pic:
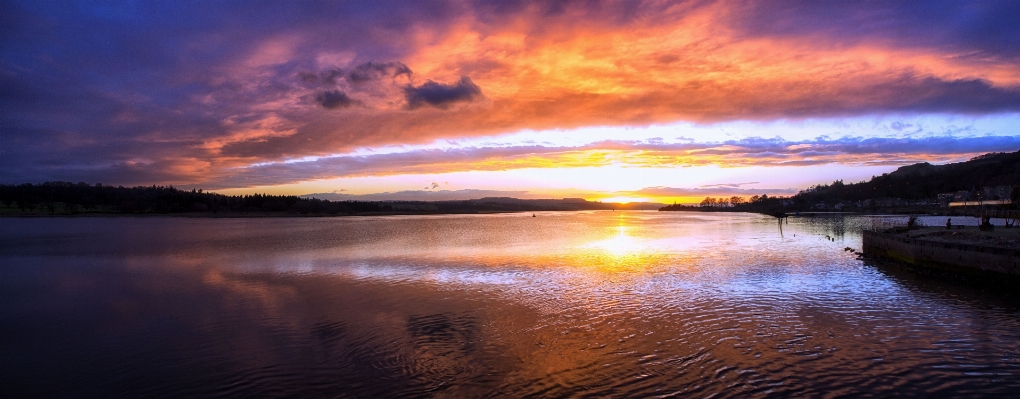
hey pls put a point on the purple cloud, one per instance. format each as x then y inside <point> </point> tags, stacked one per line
<point>194,91</point>
<point>745,152</point>
<point>377,70</point>
<point>441,95</point>
<point>333,99</point>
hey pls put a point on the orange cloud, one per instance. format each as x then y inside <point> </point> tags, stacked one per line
<point>583,68</point>
<point>729,154</point>
<point>267,85</point>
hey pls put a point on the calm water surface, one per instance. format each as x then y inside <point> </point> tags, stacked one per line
<point>620,304</point>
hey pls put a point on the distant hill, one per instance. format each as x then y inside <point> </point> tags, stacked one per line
<point>569,204</point>
<point>924,180</point>
<point>74,198</point>
<point>62,198</point>
<point>912,188</point>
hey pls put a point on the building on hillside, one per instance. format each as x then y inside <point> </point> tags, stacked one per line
<point>962,196</point>
<point>996,192</point>
<point>945,198</point>
<point>889,202</point>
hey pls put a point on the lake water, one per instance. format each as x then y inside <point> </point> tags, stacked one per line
<point>620,304</point>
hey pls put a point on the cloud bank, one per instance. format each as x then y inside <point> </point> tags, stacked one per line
<point>441,95</point>
<point>757,152</point>
<point>195,92</point>
<point>423,195</point>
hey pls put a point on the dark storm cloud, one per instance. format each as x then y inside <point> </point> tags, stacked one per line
<point>334,99</point>
<point>308,77</point>
<point>331,75</point>
<point>441,95</point>
<point>371,71</point>
<point>375,70</point>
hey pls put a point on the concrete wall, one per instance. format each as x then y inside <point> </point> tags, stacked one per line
<point>942,254</point>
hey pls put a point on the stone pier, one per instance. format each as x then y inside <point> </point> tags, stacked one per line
<point>942,255</point>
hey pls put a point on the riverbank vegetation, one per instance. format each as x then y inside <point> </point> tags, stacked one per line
<point>918,188</point>
<point>64,198</point>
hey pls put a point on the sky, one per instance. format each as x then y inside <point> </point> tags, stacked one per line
<point>619,101</point>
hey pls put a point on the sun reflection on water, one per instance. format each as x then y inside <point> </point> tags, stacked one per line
<point>626,250</point>
<point>620,244</point>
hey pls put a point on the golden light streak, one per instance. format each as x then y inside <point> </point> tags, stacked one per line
<point>619,244</point>
<point>623,200</point>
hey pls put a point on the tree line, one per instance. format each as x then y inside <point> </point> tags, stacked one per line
<point>756,203</point>
<point>918,182</point>
<point>924,181</point>
<point>82,197</point>
<point>74,198</point>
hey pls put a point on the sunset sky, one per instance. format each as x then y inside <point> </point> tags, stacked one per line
<point>658,101</point>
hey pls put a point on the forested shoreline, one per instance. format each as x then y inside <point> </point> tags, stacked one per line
<point>65,198</point>
<point>917,188</point>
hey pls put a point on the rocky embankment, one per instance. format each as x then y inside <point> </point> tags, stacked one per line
<point>964,249</point>
<point>1000,237</point>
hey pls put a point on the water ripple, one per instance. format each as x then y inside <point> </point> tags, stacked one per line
<point>617,304</point>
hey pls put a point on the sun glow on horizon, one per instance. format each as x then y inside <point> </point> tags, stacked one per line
<point>623,200</point>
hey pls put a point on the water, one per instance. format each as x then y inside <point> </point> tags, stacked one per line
<point>620,304</point>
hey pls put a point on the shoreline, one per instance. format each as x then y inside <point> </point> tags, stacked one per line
<point>964,250</point>
<point>204,215</point>
<point>398,213</point>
